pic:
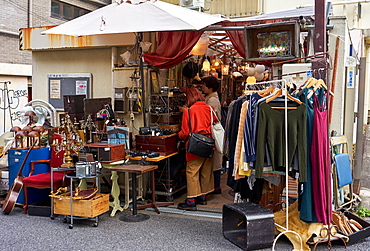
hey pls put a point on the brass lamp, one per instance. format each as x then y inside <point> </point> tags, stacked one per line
<point>71,142</point>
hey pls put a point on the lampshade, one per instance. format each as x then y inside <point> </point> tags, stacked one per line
<point>225,70</point>
<point>206,65</point>
<point>200,48</point>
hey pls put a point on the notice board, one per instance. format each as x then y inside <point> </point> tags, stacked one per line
<point>61,84</point>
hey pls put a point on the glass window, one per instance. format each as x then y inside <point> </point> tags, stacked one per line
<point>77,12</point>
<point>55,8</point>
<point>67,12</point>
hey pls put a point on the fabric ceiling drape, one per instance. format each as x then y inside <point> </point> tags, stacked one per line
<point>173,47</point>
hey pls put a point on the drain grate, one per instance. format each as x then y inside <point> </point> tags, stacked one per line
<point>191,213</point>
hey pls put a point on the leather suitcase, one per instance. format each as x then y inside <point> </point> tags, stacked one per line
<point>165,144</point>
<point>105,152</point>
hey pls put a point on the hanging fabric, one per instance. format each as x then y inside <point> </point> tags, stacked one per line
<point>172,48</point>
<point>320,160</point>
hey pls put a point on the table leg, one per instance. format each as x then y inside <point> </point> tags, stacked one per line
<point>115,192</point>
<point>135,217</point>
<point>153,203</point>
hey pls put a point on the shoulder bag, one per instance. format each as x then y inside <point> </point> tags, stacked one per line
<point>218,133</point>
<point>199,144</point>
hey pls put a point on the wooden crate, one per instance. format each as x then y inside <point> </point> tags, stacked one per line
<point>91,208</point>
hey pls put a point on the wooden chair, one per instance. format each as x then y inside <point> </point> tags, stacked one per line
<point>43,180</point>
<point>342,173</point>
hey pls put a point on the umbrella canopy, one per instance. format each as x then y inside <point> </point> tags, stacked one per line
<point>135,16</point>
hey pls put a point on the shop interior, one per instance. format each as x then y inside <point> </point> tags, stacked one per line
<point>99,160</point>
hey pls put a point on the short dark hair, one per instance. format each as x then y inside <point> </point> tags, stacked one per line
<point>211,82</point>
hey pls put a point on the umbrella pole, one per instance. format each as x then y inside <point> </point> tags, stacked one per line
<point>141,69</point>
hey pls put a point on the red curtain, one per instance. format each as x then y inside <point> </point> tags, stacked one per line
<point>173,47</point>
<point>236,37</point>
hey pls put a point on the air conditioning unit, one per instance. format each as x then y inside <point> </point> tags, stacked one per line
<point>192,3</point>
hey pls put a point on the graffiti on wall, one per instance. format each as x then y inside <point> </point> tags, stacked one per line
<point>12,99</point>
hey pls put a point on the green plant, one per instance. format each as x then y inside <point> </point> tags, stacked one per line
<point>363,212</point>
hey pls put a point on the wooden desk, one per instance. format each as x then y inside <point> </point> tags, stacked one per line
<point>134,170</point>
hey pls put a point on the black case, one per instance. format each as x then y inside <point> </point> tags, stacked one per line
<point>248,225</point>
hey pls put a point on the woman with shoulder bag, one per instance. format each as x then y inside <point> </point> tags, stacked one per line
<point>199,173</point>
<point>210,87</point>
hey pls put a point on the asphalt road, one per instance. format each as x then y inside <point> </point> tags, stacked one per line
<point>165,231</point>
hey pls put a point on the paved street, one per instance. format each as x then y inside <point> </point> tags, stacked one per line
<point>161,232</point>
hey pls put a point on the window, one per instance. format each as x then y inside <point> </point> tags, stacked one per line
<point>66,11</point>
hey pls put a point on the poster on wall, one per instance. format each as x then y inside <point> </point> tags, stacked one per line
<point>54,88</point>
<point>81,87</point>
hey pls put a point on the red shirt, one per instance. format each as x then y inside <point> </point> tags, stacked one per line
<point>200,116</point>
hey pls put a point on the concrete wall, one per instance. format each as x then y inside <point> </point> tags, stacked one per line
<point>98,62</point>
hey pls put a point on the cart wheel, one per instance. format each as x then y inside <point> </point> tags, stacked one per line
<point>70,226</point>
<point>64,220</point>
<point>169,198</point>
<point>95,224</point>
<point>52,217</point>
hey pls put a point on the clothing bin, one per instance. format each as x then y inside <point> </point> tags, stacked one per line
<point>248,225</point>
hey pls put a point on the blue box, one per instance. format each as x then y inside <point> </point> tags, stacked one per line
<point>15,159</point>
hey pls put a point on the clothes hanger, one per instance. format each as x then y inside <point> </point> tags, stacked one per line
<point>290,97</point>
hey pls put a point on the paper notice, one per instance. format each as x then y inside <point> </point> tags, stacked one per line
<point>55,89</point>
<point>81,87</point>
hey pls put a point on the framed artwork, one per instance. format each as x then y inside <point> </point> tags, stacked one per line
<point>154,82</point>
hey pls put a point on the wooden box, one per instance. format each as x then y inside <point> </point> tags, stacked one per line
<point>105,152</point>
<point>165,144</point>
<point>91,208</point>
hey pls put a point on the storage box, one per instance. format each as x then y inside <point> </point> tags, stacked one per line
<point>91,208</point>
<point>105,152</point>
<point>248,225</point>
<point>359,235</point>
<point>165,144</point>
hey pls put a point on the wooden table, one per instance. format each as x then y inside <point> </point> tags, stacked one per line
<point>115,191</point>
<point>134,170</point>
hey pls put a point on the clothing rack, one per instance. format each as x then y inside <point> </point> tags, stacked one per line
<point>285,93</point>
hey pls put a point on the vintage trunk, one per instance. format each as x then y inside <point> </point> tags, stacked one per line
<point>105,152</point>
<point>91,208</point>
<point>248,225</point>
<point>165,144</point>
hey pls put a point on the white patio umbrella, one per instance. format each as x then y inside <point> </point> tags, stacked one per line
<point>139,16</point>
<point>135,16</point>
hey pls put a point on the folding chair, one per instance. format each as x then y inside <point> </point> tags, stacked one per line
<point>342,173</point>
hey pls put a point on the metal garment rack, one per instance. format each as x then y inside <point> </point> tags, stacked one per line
<point>285,93</point>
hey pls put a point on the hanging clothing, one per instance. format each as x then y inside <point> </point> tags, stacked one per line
<point>232,137</point>
<point>271,130</point>
<point>320,159</point>
<point>305,199</point>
